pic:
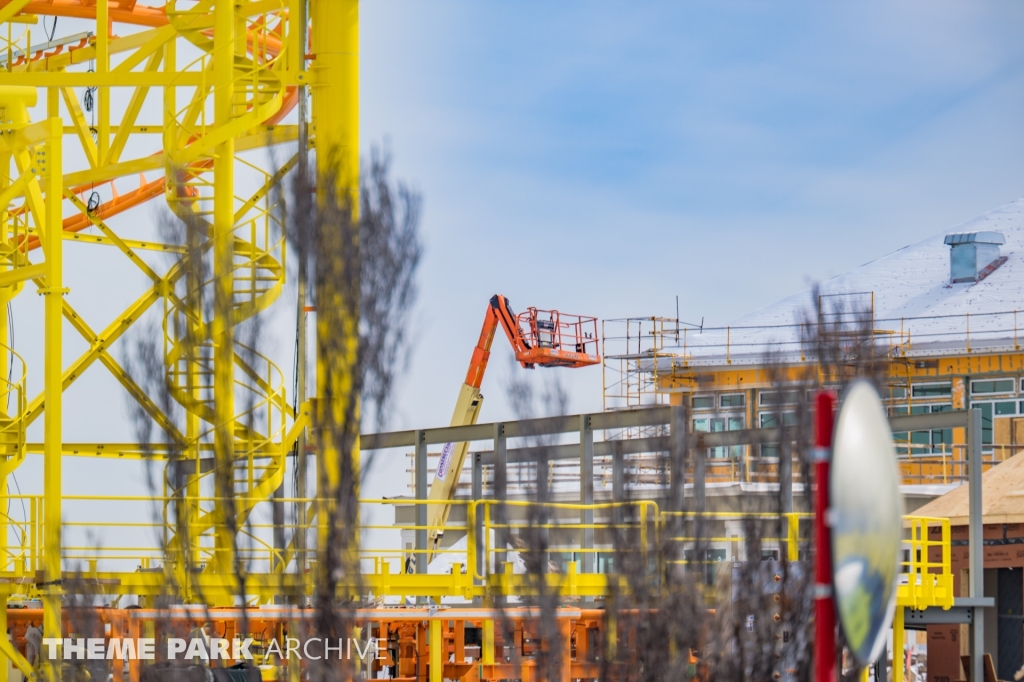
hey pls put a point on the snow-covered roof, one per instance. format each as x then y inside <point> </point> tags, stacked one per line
<point>912,294</point>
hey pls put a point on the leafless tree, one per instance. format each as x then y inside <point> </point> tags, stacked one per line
<point>363,270</point>
<point>362,266</point>
<point>533,541</point>
<point>687,615</point>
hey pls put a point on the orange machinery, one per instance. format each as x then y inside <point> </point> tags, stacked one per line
<point>545,338</point>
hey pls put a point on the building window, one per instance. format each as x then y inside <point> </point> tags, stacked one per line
<point>991,410</point>
<point>731,423</point>
<point>1003,409</point>
<point>897,393</point>
<point>731,400</point>
<point>727,424</point>
<point>986,423</point>
<point>936,390</point>
<point>992,386</point>
<point>717,425</point>
<point>942,440</point>
<point>770,420</point>
<point>703,402</point>
<point>772,398</point>
<point>922,442</point>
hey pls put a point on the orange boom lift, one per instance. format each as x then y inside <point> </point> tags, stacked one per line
<point>545,338</point>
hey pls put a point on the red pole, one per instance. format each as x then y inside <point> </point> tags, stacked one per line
<point>824,607</point>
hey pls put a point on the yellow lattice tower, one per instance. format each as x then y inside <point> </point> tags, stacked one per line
<point>225,73</point>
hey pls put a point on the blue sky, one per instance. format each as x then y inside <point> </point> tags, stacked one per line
<point>604,157</point>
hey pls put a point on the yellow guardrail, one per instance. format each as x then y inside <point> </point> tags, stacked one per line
<point>927,577</point>
<point>472,564</point>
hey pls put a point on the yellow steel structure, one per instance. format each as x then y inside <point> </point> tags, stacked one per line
<point>213,79</point>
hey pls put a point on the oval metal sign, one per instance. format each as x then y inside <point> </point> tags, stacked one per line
<point>867,521</point>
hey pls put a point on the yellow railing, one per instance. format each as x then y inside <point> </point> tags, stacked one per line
<point>471,565</point>
<point>927,578</point>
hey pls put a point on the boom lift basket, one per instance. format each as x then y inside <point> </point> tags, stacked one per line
<point>555,339</point>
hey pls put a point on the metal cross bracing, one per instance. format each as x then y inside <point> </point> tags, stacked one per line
<point>203,81</point>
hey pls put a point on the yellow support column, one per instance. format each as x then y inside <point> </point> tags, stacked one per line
<point>436,651</point>
<point>3,633</point>
<point>487,655</point>
<point>336,122</point>
<point>49,164</point>
<point>336,94</point>
<point>792,538</point>
<point>223,268</point>
<point>102,66</point>
<point>6,294</point>
<point>897,645</point>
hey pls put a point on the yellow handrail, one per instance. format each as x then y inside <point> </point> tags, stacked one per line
<point>927,578</point>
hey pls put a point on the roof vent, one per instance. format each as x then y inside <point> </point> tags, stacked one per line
<point>974,255</point>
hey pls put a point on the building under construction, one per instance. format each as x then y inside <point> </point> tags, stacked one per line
<point>124,105</point>
<point>937,318</point>
<point>941,316</point>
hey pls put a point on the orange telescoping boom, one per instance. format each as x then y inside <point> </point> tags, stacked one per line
<point>539,337</point>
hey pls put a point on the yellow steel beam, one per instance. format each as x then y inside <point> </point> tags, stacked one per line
<point>102,69</point>
<point>136,391</point>
<point>12,277</point>
<point>80,325</point>
<point>220,134</point>
<point>225,49</point>
<point>101,240</point>
<point>296,34</point>
<point>108,336</point>
<point>81,126</point>
<point>16,188</point>
<point>271,182</point>
<point>13,655</point>
<point>27,163</point>
<point>84,55</point>
<point>114,239</point>
<point>11,8</point>
<point>261,137</point>
<point>255,7</point>
<point>156,39</point>
<point>76,79</point>
<point>133,451</point>
<point>143,129</point>
<point>336,120</point>
<point>131,114</point>
<point>436,645</point>
<point>116,170</point>
<point>52,386</point>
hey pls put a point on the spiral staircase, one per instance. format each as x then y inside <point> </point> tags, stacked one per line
<point>264,426</point>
